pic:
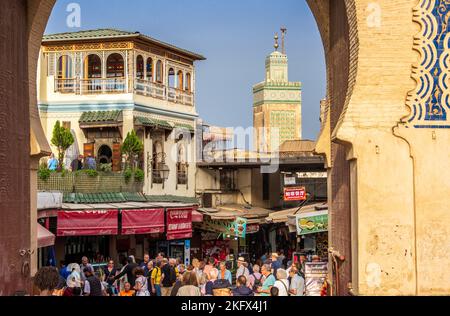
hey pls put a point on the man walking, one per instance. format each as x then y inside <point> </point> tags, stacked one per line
<point>168,278</point>
<point>242,268</point>
<point>144,264</point>
<point>92,285</point>
<point>129,271</point>
<point>85,264</point>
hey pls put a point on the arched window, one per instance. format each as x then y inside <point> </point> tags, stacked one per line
<point>140,67</point>
<point>159,71</point>
<point>149,69</point>
<point>180,76</point>
<point>65,67</point>
<point>92,67</point>
<point>157,162</point>
<point>181,165</point>
<point>115,66</point>
<point>187,85</point>
<point>171,75</point>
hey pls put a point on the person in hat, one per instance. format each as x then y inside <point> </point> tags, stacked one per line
<point>242,268</point>
<point>275,265</point>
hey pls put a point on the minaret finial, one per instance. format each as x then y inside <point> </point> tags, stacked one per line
<point>276,42</point>
<point>283,34</point>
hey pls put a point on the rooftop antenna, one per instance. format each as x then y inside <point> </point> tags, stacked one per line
<point>283,35</point>
<point>276,42</point>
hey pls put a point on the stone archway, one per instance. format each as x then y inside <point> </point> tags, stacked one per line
<point>378,163</point>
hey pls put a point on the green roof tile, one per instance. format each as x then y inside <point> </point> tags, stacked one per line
<point>172,198</point>
<point>102,198</point>
<point>153,122</point>
<point>101,117</point>
<point>99,34</point>
<point>185,126</point>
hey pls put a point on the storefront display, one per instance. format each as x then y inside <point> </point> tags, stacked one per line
<point>215,248</point>
<point>315,276</point>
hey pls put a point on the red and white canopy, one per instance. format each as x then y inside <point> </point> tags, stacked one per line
<point>140,222</point>
<point>44,237</point>
<point>87,223</point>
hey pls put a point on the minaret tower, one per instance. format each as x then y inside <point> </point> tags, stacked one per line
<point>277,114</point>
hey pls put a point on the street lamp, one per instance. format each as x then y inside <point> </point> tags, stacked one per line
<point>165,172</point>
<point>159,159</point>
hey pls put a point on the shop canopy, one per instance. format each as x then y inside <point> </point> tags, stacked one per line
<point>142,221</point>
<point>197,217</point>
<point>254,215</point>
<point>288,216</point>
<point>44,237</point>
<point>87,223</point>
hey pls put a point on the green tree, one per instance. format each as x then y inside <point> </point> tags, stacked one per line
<point>62,138</point>
<point>132,147</point>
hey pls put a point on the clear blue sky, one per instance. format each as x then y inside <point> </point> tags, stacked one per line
<point>234,35</point>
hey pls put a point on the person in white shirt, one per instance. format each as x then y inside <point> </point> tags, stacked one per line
<point>242,268</point>
<point>282,283</point>
<point>297,286</point>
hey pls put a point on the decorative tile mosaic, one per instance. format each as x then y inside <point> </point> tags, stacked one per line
<point>430,101</point>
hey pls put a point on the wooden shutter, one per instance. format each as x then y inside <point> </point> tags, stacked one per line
<point>116,157</point>
<point>88,149</point>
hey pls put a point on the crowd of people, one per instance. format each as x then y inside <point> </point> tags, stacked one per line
<point>79,163</point>
<point>169,277</point>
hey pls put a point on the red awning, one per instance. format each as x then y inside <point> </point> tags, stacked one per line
<point>44,237</point>
<point>87,223</point>
<point>197,217</point>
<point>142,221</point>
<point>179,223</point>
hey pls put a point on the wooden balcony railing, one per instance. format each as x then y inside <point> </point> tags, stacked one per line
<point>102,85</point>
<point>150,89</point>
<point>119,85</point>
<point>66,85</point>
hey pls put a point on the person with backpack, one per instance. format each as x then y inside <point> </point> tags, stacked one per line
<point>156,279</point>
<point>168,278</point>
<point>297,283</point>
<point>242,268</point>
<point>255,279</point>
<point>282,283</point>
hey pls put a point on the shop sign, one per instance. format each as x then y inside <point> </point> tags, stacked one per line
<point>315,276</point>
<point>312,222</point>
<point>289,180</point>
<point>295,194</point>
<point>239,228</point>
<point>179,224</point>
<point>312,175</point>
<point>252,228</point>
<point>236,228</point>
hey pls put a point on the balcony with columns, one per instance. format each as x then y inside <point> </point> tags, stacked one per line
<point>110,74</point>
